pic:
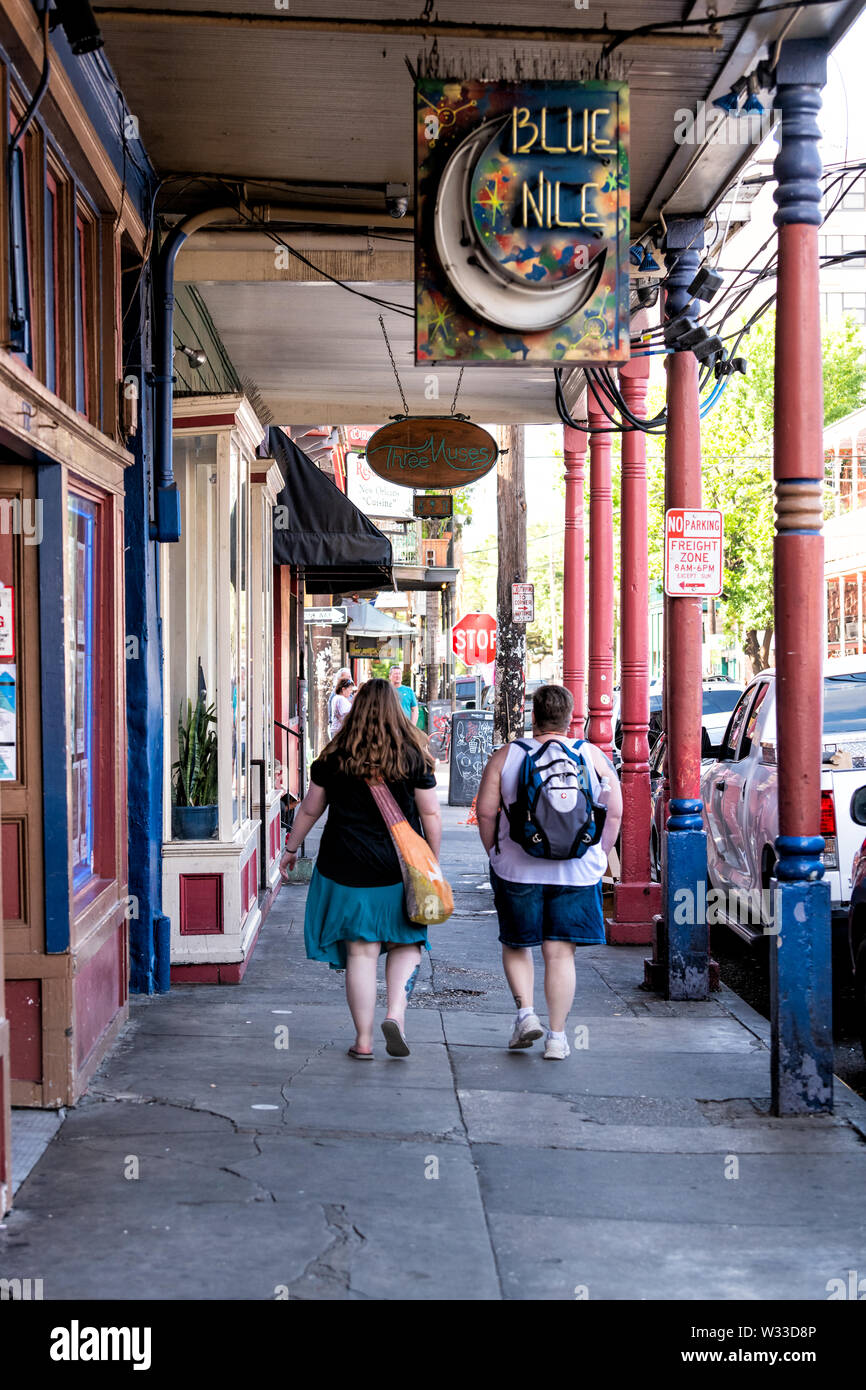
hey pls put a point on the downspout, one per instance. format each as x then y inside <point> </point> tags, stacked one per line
<point>166,509</point>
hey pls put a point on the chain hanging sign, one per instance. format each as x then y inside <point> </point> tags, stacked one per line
<point>432,451</point>
<point>522,222</point>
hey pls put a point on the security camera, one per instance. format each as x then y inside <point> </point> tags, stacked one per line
<point>397,199</point>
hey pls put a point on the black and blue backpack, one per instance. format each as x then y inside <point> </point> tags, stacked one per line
<point>554,815</point>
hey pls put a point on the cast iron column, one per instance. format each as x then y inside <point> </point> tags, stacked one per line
<point>599,727</point>
<point>684,859</point>
<point>574,577</point>
<point>800,956</point>
<point>636,897</point>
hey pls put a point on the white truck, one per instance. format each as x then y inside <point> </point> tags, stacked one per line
<point>739,794</point>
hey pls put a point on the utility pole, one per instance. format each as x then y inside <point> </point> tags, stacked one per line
<point>510,636</point>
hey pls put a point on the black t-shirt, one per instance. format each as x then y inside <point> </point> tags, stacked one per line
<point>356,847</point>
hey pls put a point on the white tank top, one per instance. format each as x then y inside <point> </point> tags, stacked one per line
<point>513,864</point>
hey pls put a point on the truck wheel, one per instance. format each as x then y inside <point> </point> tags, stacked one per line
<point>860,993</point>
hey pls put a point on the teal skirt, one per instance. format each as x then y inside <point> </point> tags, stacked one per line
<point>336,914</point>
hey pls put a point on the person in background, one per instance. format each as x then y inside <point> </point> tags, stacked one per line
<point>405,694</point>
<point>355,905</point>
<point>340,704</point>
<point>339,676</point>
<point>552,903</point>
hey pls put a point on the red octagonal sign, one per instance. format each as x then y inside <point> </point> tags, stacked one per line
<point>473,639</point>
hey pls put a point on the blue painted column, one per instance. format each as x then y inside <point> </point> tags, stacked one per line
<point>148,929</point>
<point>684,856</point>
<point>800,954</point>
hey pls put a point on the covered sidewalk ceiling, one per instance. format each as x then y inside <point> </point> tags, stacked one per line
<point>307,118</point>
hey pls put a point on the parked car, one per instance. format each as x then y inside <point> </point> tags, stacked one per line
<point>466,692</point>
<point>657,768</point>
<point>857,915</point>
<point>739,794</point>
<point>719,697</point>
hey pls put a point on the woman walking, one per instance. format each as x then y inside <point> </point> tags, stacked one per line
<point>355,906</point>
<point>344,693</point>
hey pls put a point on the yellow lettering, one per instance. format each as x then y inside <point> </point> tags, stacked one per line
<point>597,143</point>
<point>549,208</point>
<point>537,208</point>
<point>557,220</point>
<point>519,121</point>
<point>581,148</point>
<point>550,149</point>
<point>588,218</point>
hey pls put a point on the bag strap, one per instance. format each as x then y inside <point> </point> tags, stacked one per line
<point>387,803</point>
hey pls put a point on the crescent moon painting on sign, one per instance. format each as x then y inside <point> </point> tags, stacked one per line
<point>522,222</point>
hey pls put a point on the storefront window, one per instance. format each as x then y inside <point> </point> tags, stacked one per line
<point>861,480</point>
<point>851,623</point>
<point>846,484</point>
<point>191,638</point>
<point>833,633</point>
<point>233,621</point>
<point>243,646</point>
<point>81,573</point>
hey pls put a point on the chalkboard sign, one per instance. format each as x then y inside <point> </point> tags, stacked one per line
<point>471,746</point>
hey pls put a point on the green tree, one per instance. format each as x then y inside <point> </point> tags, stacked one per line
<point>737,451</point>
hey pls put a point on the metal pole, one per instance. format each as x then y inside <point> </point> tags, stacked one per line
<point>800,954</point>
<point>636,898</point>
<point>599,727</point>
<point>684,865</point>
<point>574,577</point>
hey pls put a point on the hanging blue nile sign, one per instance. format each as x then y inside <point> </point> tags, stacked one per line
<point>522,226</point>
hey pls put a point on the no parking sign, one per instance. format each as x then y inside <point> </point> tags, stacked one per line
<point>693,552</point>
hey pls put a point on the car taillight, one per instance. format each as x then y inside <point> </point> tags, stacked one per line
<point>828,814</point>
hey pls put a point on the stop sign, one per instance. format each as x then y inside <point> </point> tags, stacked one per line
<point>473,639</point>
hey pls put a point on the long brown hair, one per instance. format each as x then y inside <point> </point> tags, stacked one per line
<point>376,740</point>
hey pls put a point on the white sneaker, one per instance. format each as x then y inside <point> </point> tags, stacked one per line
<point>526,1030</point>
<point>556,1049</point>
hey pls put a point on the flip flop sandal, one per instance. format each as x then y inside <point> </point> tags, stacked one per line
<point>395,1043</point>
<point>360,1056</point>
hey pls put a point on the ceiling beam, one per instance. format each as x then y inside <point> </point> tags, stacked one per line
<point>433,28</point>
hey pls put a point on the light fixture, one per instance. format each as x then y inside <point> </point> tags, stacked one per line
<point>729,103</point>
<point>79,25</point>
<point>636,253</point>
<point>195,355</point>
<point>397,199</point>
<point>754,106</point>
<point>649,262</point>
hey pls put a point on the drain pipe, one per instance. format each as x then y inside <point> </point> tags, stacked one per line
<point>166,508</point>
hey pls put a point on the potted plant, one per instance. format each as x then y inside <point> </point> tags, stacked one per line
<point>195,810</point>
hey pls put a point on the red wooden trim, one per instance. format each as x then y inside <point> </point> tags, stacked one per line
<point>201,904</point>
<point>83,227</point>
<point>24,1011</point>
<point>201,421</point>
<point>52,184</point>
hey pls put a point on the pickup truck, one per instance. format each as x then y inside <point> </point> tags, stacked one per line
<point>739,794</point>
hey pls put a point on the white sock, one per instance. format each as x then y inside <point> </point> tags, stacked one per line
<point>524,1013</point>
<point>560,1037</point>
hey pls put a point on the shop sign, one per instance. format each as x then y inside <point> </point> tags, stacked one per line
<point>693,552</point>
<point>522,222</point>
<point>523,603</point>
<point>363,648</point>
<point>432,451</point>
<point>434,504</point>
<point>372,493</point>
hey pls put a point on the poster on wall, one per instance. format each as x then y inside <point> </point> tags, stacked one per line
<point>8,724</point>
<point>522,222</point>
<point>7,623</point>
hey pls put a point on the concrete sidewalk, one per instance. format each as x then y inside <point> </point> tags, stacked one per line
<point>206,1162</point>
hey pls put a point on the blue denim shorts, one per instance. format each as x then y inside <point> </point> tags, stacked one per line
<point>530,913</point>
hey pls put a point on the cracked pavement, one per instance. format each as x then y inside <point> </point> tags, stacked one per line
<point>208,1162</point>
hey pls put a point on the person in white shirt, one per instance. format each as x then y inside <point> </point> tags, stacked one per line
<point>554,903</point>
<point>341,704</point>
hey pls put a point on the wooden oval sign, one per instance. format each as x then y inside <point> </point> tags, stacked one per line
<point>432,451</point>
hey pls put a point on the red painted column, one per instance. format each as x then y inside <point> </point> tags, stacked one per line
<point>683,616</point>
<point>801,1055</point>
<point>636,897</point>
<point>599,727</point>
<point>574,577</point>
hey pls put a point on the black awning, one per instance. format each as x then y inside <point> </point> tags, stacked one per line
<point>326,536</point>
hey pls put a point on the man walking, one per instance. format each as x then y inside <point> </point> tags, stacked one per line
<point>565,804</point>
<point>405,694</point>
